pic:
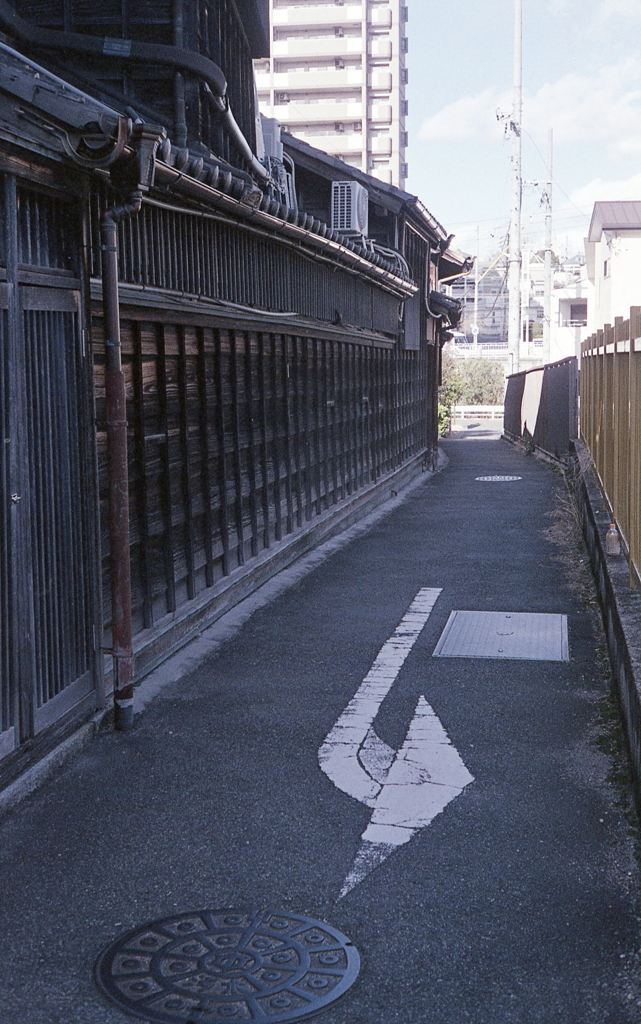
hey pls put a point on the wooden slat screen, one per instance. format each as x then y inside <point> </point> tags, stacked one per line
<point>240,437</point>
<point>611,423</point>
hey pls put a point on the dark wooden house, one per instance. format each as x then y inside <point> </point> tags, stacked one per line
<point>278,376</point>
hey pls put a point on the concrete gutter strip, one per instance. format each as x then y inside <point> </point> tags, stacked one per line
<point>620,605</point>
<point>35,776</point>
<point>527,446</point>
<point>155,645</point>
<point>353,518</point>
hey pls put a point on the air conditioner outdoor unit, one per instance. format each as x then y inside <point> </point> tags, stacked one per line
<point>349,207</point>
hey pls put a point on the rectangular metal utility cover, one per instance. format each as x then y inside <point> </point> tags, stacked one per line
<point>518,635</point>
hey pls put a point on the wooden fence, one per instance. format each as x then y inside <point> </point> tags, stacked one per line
<point>239,438</point>
<point>611,423</point>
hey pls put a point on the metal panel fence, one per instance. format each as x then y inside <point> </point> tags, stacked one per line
<point>541,406</point>
<point>611,423</point>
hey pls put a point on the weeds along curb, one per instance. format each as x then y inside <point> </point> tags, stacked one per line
<point>620,606</point>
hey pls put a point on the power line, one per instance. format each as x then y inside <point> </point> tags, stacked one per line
<point>558,185</point>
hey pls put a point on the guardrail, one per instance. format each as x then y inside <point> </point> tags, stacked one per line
<point>477,412</point>
<point>611,423</point>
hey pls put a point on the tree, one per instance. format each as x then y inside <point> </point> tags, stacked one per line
<point>450,391</point>
<point>556,262</point>
<point>468,382</point>
<point>483,382</point>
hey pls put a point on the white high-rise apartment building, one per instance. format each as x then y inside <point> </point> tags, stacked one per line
<point>337,78</point>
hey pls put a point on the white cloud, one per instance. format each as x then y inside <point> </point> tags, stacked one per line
<point>594,13</point>
<point>472,118</point>
<point>602,107</point>
<point>618,8</point>
<point>601,190</point>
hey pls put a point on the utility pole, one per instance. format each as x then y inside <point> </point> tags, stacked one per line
<point>514,253</point>
<point>524,319</point>
<point>547,293</point>
<point>475,329</point>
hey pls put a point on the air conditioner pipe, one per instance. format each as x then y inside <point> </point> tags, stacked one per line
<point>292,170</point>
<point>232,127</point>
<point>180,115</point>
<point>149,53</point>
<point>125,49</point>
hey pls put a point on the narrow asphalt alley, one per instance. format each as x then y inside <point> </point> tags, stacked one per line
<point>516,903</point>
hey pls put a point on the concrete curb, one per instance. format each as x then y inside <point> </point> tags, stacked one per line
<point>529,448</point>
<point>35,776</point>
<point>349,517</point>
<point>152,647</point>
<point>620,605</point>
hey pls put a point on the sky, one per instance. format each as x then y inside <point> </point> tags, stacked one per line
<point>581,77</point>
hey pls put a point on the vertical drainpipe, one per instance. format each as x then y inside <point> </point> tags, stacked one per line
<point>146,139</point>
<point>180,112</point>
<point>115,395</point>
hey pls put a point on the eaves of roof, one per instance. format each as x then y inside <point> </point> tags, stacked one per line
<point>59,106</point>
<point>390,196</point>
<point>622,215</point>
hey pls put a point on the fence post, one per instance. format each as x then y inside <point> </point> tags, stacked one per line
<point>620,426</point>
<point>634,475</point>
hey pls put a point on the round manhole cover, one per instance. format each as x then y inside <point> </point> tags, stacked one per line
<point>498,479</point>
<point>227,965</point>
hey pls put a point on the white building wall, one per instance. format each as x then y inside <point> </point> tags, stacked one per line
<point>568,313</point>
<point>615,276</point>
<point>337,78</point>
<point>569,323</point>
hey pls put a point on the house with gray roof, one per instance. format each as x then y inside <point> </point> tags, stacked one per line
<point>613,261</point>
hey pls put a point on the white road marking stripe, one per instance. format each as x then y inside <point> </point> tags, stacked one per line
<point>408,788</point>
<point>425,776</point>
<point>338,756</point>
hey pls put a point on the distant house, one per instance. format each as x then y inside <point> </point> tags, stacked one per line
<point>568,319</point>
<point>568,315</point>
<point>613,258</point>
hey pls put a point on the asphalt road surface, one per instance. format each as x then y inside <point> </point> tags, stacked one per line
<point>464,806</point>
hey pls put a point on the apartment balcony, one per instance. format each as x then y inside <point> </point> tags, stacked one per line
<point>381,113</point>
<point>318,113</point>
<point>318,46</point>
<point>380,49</point>
<point>381,80</point>
<point>380,17</point>
<point>348,14</point>
<point>307,81</point>
<point>381,145</point>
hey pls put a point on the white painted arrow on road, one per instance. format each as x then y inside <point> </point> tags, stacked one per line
<point>406,788</point>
